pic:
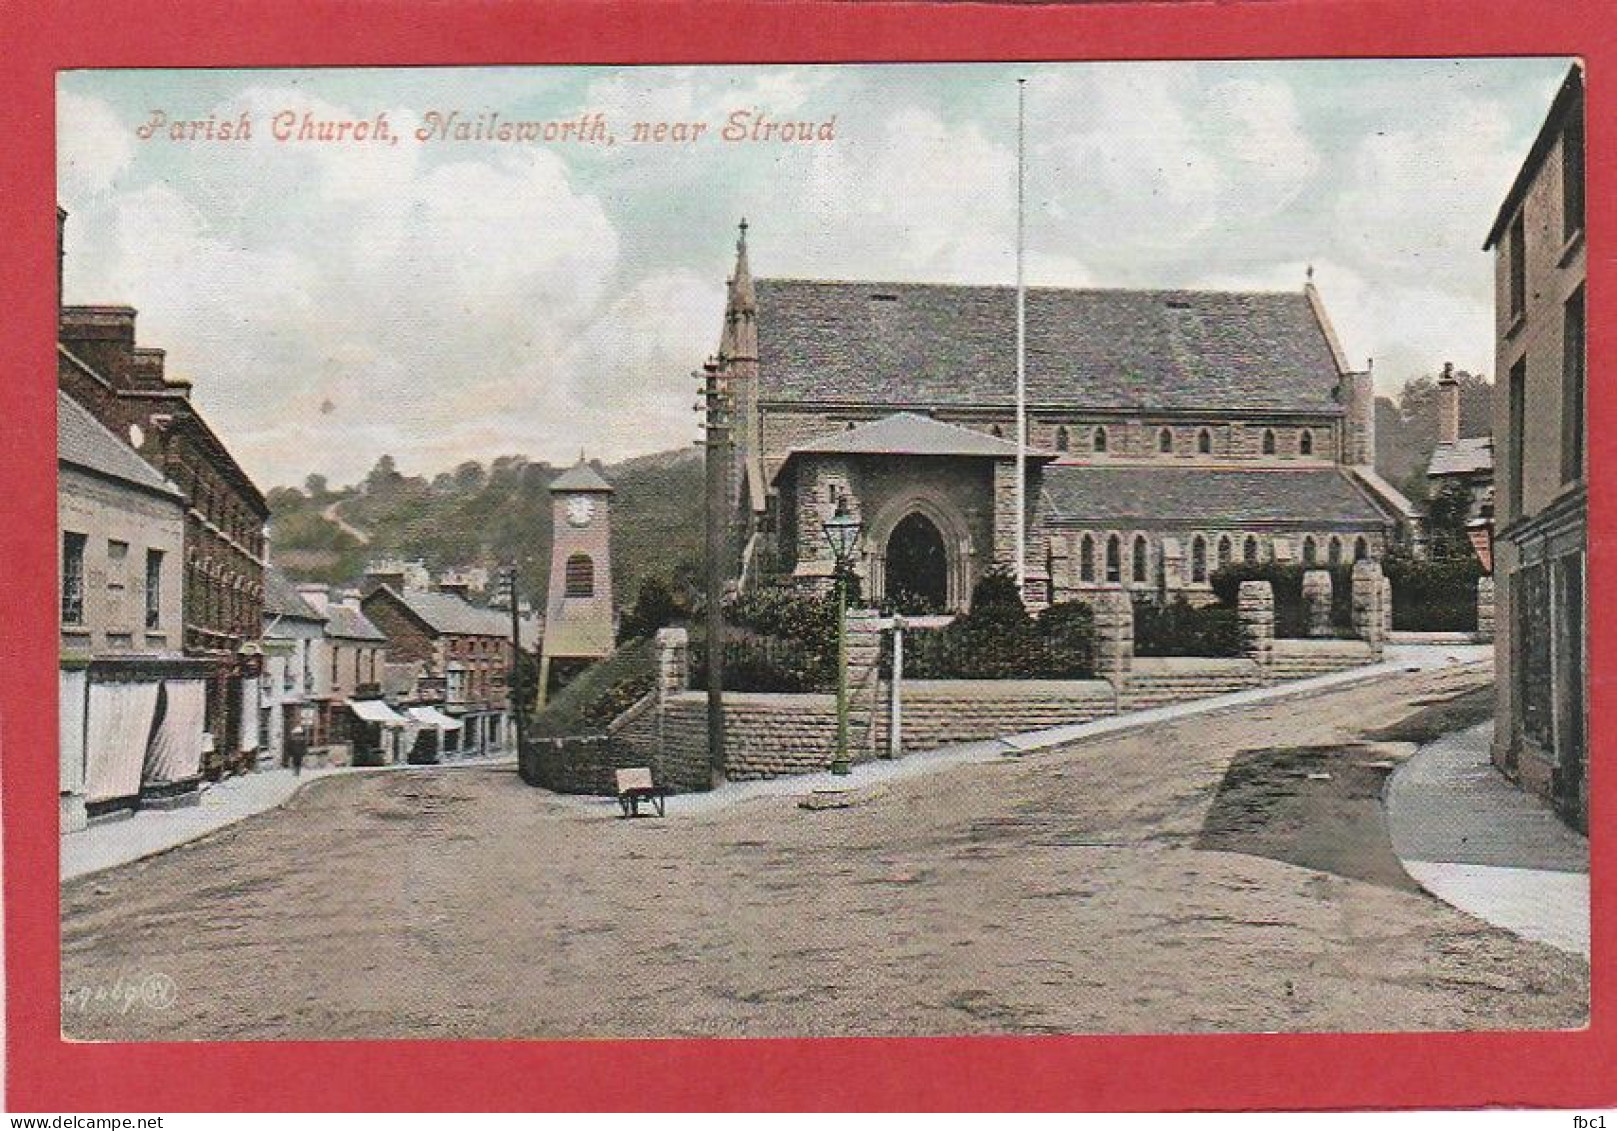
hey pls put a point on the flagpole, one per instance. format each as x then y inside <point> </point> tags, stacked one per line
<point>1021,342</point>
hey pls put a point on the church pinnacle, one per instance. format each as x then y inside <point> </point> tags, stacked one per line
<point>739,341</point>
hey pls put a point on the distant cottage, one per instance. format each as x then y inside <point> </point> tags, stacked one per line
<point>1170,433</point>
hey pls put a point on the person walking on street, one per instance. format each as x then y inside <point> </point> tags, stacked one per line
<point>297,747</point>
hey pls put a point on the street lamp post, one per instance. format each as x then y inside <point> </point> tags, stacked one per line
<point>842,532</point>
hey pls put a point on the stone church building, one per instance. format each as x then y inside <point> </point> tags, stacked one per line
<point>1170,433</point>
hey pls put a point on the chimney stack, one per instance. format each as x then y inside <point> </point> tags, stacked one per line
<point>1360,445</point>
<point>1448,405</point>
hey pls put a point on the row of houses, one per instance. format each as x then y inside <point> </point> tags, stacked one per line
<point>185,656</point>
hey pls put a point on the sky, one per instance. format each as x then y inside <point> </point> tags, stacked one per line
<point>442,301</point>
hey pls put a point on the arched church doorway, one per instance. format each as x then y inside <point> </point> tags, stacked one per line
<point>917,567</point>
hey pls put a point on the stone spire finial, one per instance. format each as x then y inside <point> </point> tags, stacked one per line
<point>739,340</point>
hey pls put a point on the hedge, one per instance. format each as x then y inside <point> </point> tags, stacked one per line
<point>1433,595</point>
<point>1179,628</point>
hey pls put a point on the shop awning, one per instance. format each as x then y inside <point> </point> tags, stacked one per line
<point>432,717</point>
<point>376,711</point>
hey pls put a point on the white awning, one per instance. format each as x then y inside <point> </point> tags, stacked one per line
<point>376,711</point>
<point>432,717</point>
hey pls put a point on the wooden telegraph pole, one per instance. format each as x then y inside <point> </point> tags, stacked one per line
<point>515,690</point>
<point>717,467</point>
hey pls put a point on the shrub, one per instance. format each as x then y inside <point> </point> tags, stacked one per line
<point>654,607</point>
<point>998,639</point>
<point>1179,628</point>
<point>1069,629</point>
<point>1433,595</point>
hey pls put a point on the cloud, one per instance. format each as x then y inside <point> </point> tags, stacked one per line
<point>93,148</point>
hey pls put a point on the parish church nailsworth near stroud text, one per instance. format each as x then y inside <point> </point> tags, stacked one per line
<point>1170,433</point>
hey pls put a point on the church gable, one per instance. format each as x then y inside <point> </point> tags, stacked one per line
<point>953,346</point>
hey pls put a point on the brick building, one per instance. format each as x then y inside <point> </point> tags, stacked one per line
<point>463,652</point>
<point>1540,498</point>
<point>124,386</point>
<point>1170,432</point>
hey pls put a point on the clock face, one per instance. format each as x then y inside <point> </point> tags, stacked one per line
<point>580,509</point>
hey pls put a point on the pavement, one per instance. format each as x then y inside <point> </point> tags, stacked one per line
<point>1477,842</point>
<point>122,840</point>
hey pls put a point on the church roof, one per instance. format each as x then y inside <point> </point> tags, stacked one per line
<point>580,477</point>
<point>911,434</point>
<point>935,344</point>
<point>1468,455</point>
<point>1211,497</point>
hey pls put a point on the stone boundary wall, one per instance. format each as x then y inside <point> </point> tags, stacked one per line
<point>936,713</point>
<point>774,735</point>
<point>1158,681</point>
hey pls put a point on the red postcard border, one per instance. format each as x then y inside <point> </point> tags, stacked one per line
<point>1348,1071</point>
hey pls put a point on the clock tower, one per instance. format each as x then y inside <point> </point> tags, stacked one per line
<point>578,609</point>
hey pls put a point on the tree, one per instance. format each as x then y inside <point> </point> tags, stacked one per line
<point>654,607</point>
<point>383,475</point>
<point>316,487</point>
<point>1446,517</point>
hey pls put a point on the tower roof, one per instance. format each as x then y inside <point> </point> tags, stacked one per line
<point>580,477</point>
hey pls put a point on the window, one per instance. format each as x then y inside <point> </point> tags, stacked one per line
<point>1198,559</point>
<point>1310,551</point>
<point>154,589</point>
<point>335,655</point>
<point>1305,444</point>
<point>997,431</point>
<point>1063,440</point>
<point>1225,551</point>
<point>1204,442</point>
<point>117,565</point>
<point>1517,435</point>
<point>72,578</point>
<point>1572,175</point>
<point>580,576</point>
<point>1100,440</point>
<point>1141,567</point>
<point>1086,560</point>
<point>1268,441</point>
<point>1165,440</point>
<point>1114,558</point>
<point>1572,389</point>
<point>1249,551</point>
<point>1334,554</point>
<point>1361,549</point>
<point>1518,265</point>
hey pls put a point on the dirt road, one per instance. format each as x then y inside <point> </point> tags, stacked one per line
<point>1225,873</point>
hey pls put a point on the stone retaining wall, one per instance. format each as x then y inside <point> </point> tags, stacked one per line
<point>1159,681</point>
<point>936,713</point>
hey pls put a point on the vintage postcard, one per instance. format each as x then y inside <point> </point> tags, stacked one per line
<point>551,553</point>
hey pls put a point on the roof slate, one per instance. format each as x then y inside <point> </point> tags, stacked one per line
<point>911,434</point>
<point>83,441</point>
<point>1148,496</point>
<point>933,344</point>
<point>454,615</point>
<point>580,477</point>
<point>282,599</point>
<point>1466,456</point>
<point>351,624</point>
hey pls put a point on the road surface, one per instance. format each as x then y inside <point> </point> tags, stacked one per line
<point>1222,873</point>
